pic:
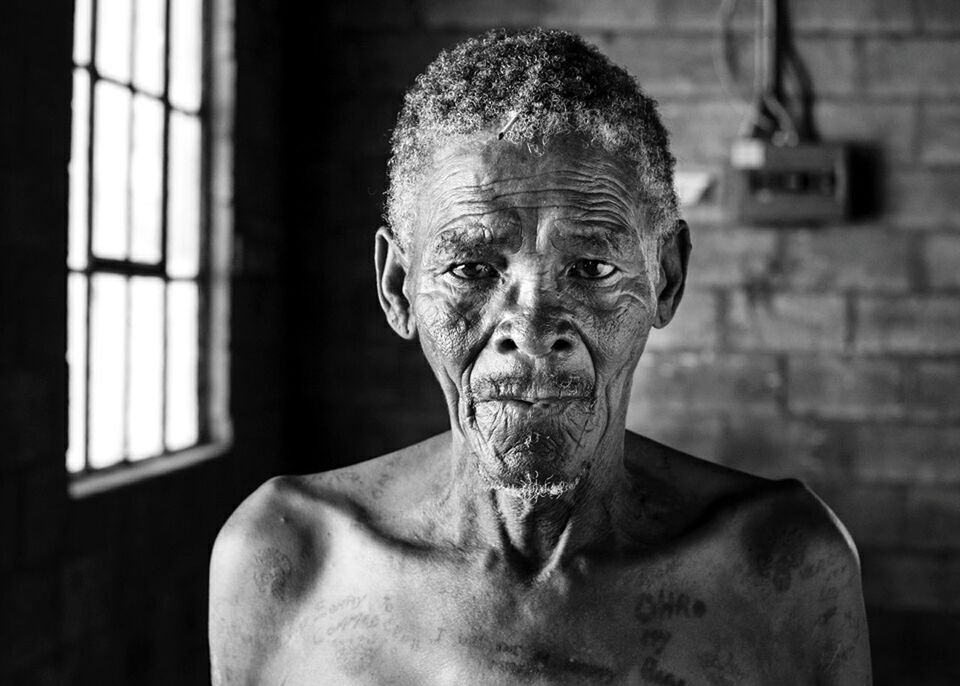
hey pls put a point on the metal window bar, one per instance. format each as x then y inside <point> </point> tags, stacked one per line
<point>127,267</point>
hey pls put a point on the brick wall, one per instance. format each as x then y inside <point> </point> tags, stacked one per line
<point>111,589</point>
<point>828,353</point>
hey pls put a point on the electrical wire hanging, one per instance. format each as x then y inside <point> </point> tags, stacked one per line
<point>766,113</point>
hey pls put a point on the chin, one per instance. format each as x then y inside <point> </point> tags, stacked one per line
<point>531,491</point>
<point>533,449</point>
<point>532,466</point>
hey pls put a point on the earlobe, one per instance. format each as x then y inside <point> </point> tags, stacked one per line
<point>674,258</point>
<point>392,268</point>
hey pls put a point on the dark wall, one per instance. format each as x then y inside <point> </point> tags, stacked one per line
<point>111,588</point>
<point>827,353</point>
<point>354,375</point>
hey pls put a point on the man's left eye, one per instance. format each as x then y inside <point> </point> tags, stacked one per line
<point>590,269</point>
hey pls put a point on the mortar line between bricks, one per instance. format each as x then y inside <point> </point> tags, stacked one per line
<point>783,394</point>
<point>920,127</point>
<point>916,265</point>
<point>721,304</point>
<point>851,321</point>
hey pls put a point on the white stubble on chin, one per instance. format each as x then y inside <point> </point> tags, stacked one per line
<point>520,459</point>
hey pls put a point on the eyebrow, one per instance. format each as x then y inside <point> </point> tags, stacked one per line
<point>598,235</point>
<point>473,235</point>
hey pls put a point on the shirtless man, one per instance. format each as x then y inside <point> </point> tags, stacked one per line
<point>534,241</point>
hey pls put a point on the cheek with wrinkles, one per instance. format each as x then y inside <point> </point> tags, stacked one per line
<point>451,322</point>
<point>615,321</point>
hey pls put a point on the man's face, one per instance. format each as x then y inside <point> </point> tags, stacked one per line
<point>533,283</point>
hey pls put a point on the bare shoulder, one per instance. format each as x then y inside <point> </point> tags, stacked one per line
<point>264,560</point>
<point>802,563</point>
<point>784,549</point>
<point>384,487</point>
<point>693,492</point>
<point>788,534</point>
<point>770,515</point>
<point>270,554</point>
<point>783,530</point>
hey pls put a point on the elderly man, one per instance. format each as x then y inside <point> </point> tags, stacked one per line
<point>533,243</point>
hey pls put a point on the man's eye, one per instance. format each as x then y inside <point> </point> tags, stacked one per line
<point>473,270</point>
<point>591,269</point>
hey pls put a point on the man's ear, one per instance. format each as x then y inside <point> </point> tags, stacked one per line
<point>391,275</point>
<point>674,257</point>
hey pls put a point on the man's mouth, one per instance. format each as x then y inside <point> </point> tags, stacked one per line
<point>556,390</point>
<point>533,401</point>
<point>542,403</point>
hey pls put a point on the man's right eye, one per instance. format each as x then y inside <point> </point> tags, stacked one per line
<point>471,271</point>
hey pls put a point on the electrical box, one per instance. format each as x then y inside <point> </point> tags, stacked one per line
<point>788,184</point>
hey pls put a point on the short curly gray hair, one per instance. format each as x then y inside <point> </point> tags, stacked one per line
<point>531,86</point>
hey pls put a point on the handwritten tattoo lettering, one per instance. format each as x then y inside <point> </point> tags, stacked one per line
<point>319,625</point>
<point>720,670</point>
<point>667,605</point>
<point>655,640</point>
<point>354,622</point>
<point>348,603</point>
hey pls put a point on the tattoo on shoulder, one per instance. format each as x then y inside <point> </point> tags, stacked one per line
<point>777,553</point>
<point>272,572</point>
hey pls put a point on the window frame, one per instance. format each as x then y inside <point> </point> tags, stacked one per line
<point>215,115</point>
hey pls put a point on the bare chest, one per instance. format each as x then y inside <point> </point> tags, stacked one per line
<point>389,620</point>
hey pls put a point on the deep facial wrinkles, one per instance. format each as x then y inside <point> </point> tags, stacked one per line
<point>532,419</point>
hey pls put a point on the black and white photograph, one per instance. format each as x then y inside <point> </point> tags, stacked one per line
<point>480,343</point>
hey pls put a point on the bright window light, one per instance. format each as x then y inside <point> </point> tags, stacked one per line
<point>138,239</point>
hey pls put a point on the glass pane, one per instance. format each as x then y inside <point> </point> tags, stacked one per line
<point>148,46</point>
<point>82,22</point>
<point>186,62</point>
<point>182,360</point>
<point>183,229</point>
<point>77,240</point>
<point>145,410</point>
<point>146,179</point>
<point>113,38</point>
<point>76,362</point>
<point>111,132</point>
<point>107,369</point>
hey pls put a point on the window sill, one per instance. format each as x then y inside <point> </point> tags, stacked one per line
<point>95,484</point>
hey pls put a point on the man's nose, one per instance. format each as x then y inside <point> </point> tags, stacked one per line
<point>535,325</point>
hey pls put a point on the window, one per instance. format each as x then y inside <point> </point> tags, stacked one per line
<point>145,301</point>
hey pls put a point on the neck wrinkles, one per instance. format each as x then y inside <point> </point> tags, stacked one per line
<point>539,536</point>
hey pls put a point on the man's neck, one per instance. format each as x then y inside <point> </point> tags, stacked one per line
<point>536,534</point>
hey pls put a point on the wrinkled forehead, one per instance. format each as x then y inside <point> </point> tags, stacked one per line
<point>489,183</point>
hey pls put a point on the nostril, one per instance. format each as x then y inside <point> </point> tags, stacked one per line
<point>562,345</point>
<point>506,345</point>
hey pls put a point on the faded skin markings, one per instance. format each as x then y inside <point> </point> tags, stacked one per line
<point>272,572</point>
<point>655,640</point>
<point>654,609</point>
<point>652,673</point>
<point>667,604</point>
<point>720,668</point>
<point>779,553</point>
